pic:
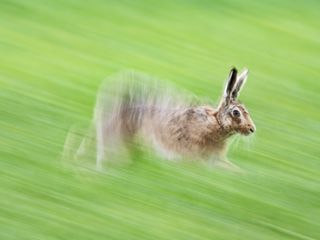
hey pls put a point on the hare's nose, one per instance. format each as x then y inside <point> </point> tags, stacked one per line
<point>252,128</point>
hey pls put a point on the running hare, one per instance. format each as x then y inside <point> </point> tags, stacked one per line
<point>173,126</point>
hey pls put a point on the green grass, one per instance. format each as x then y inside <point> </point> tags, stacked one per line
<point>55,54</point>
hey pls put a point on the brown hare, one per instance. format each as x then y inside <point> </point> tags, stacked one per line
<point>175,127</point>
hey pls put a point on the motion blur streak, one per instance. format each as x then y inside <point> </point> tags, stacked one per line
<point>54,55</point>
<point>129,105</point>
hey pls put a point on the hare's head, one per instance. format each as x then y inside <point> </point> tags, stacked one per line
<point>233,115</point>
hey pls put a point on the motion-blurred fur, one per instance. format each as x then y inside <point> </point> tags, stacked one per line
<point>174,125</point>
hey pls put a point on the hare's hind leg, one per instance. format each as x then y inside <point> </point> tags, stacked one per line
<point>69,153</point>
<point>100,146</point>
<point>100,131</point>
<point>110,141</point>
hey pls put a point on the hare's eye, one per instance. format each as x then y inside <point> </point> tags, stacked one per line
<point>236,113</point>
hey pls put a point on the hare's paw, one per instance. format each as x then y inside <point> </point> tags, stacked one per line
<point>227,165</point>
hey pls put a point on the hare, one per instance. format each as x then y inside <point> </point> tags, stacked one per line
<point>175,128</point>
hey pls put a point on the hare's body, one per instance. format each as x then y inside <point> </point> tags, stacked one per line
<point>187,132</point>
<point>173,125</point>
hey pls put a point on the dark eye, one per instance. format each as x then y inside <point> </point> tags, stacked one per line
<point>236,113</point>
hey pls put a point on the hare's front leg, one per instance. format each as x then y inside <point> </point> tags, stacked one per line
<point>221,161</point>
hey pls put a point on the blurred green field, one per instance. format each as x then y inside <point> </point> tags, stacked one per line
<point>54,56</point>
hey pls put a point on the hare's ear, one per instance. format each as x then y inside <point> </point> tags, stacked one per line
<point>241,80</point>
<point>230,84</point>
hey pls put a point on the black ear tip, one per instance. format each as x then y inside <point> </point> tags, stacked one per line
<point>233,69</point>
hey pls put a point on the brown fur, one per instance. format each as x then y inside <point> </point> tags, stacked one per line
<point>175,127</point>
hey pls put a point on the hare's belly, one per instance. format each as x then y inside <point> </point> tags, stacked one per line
<point>154,140</point>
<point>172,147</point>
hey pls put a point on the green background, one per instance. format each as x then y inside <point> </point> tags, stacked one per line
<point>55,54</point>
